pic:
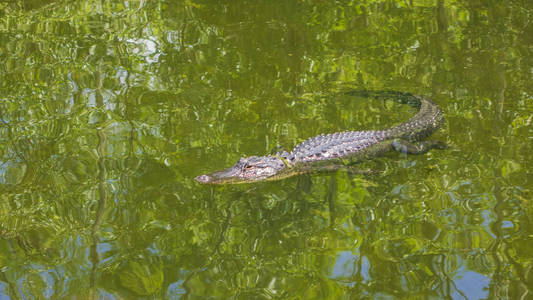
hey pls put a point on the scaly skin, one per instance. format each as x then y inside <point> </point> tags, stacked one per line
<point>326,152</point>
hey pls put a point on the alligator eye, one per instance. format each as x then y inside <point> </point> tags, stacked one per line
<point>248,166</point>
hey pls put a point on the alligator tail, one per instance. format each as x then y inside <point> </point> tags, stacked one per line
<point>426,121</point>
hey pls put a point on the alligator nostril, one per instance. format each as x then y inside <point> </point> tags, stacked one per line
<point>203,178</point>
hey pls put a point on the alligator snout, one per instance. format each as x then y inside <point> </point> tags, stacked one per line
<point>203,178</point>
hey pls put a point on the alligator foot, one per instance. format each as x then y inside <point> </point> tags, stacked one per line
<point>404,146</point>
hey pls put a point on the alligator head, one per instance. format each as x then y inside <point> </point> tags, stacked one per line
<point>247,169</point>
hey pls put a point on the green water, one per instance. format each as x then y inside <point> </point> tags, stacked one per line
<point>109,109</point>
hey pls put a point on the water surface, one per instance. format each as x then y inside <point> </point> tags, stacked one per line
<point>109,109</point>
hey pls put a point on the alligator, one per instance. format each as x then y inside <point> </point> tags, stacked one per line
<point>331,152</point>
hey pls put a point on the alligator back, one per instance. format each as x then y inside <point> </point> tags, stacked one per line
<point>364,144</point>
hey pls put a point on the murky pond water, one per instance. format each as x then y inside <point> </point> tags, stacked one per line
<point>109,109</point>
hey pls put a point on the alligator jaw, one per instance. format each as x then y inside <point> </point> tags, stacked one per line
<point>248,169</point>
<point>229,175</point>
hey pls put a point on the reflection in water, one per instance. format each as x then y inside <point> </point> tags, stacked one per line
<point>102,194</point>
<point>109,109</point>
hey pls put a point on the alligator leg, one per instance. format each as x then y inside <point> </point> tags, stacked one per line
<point>404,146</point>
